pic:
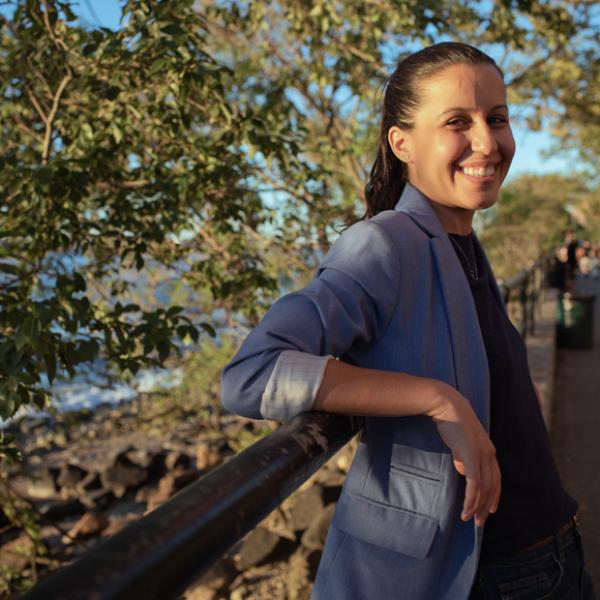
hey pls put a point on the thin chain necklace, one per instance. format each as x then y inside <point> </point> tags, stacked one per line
<point>471,270</point>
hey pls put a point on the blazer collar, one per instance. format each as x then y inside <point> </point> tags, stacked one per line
<point>418,207</point>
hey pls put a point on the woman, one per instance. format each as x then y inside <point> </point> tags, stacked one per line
<point>407,303</point>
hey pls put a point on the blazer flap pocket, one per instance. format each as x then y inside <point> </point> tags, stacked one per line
<point>385,526</point>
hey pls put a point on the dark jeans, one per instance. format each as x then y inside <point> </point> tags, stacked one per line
<point>554,572</point>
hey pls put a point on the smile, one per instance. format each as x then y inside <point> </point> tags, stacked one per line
<point>479,171</point>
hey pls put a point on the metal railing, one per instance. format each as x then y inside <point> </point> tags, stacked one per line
<point>162,553</point>
<point>524,291</point>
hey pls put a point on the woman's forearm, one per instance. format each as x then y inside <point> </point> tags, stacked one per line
<point>346,389</point>
<point>350,390</point>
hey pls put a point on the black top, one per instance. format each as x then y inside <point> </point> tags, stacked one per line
<point>533,503</point>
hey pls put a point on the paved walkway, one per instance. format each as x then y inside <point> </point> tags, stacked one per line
<point>576,432</point>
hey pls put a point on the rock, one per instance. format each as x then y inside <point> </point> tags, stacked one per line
<point>176,460</point>
<point>29,424</point>
<point>122,475</point>
<point>258,547</point>
<point>117,523</point>
<point>96,499</point>
<point>298,584</point>
<point>314,537</point>
<point>70,475</point>
<point>200,592</point>
<point>153,462</point>
<point>278,524</point>
<point>16,554</point>
<point>216,579</point>
<point>60,439</point>
<point>206,457</point>
<point>308,503</point>
<point>42,485</point>
<point>63,508</point>
<point>169,484</point>
<point>90,524</point>
<point>90,482</point>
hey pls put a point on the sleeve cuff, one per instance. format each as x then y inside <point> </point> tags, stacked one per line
<point>293,385</point>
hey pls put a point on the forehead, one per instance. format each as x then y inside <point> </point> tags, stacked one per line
<point>473,87</point>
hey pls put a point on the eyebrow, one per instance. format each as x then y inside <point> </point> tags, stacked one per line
<point>462,109</point>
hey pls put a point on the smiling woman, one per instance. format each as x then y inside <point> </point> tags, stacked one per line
<point>453,493</point>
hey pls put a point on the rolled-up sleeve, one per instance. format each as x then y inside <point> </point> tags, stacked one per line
<point>277,372</point>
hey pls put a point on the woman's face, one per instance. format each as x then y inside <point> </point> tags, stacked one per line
<point>461,145</point>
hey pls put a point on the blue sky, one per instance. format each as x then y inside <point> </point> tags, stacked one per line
<point>530,145</point>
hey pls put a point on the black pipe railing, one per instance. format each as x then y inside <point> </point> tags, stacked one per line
<point>161,554</point>
<point>526,288</point>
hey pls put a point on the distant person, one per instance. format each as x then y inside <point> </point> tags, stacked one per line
<point>558,272</point>
<point>572,245</point>
<point>453,493</point>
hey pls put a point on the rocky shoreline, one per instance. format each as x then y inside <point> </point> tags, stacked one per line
<point>88,474</point>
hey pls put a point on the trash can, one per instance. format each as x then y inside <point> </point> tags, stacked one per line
<point>575,321</point>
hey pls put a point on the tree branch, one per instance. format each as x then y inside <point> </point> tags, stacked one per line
<point>52,115</point>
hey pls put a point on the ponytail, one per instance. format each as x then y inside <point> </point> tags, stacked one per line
<point>386,181</point>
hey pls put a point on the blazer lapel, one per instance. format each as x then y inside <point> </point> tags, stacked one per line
<point>470,360</point>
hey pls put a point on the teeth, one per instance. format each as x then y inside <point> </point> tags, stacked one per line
<point>479,171</point>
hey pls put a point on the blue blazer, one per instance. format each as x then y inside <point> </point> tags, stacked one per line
<point>390,294</point>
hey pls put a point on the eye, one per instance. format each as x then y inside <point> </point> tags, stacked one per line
<point>498,120</point>
<point>458,122</point>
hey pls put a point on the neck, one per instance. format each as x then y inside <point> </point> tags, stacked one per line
<point>454,220</point>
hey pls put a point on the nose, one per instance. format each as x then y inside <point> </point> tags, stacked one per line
<point>483,139</point>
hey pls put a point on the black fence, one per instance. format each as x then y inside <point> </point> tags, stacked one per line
<point>160,555</point>
<point>523,292</point>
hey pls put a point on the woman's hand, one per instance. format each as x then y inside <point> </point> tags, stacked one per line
<point>473,453</point>
<point>346,389</point>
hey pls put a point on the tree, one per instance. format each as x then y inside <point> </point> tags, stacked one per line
<point>214,150</point>
<point>121,150</point>
<point>531,218</point>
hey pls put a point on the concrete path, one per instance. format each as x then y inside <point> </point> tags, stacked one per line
<point>576,432</point>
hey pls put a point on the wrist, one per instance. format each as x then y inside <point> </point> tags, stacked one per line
<point>441,396</point>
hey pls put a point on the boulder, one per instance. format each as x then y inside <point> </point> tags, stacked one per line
<point>307,504</point>
<point>169,484</point>
<point>96,499</point>
<point>42,484</point>
<point>62,508</point>
<point>16,554</point>
<point>176,459</point>
<point>122,475</point>
<point>314,537</point>
<point>152,461</point>
<point>259,546</point>
<point>207,457</point>
<point>70,476</point>
<point>91,524</point>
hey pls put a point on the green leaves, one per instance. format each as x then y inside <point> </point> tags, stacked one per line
<point>203,156</point>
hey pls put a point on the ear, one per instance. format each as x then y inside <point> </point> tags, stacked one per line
<point>399,141</point>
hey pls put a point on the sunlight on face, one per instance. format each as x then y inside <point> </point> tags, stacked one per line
<point>460,148</point>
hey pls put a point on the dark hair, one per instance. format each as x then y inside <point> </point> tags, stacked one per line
<point>400,101</point>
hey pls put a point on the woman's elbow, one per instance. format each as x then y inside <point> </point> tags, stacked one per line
<point>237,397</point>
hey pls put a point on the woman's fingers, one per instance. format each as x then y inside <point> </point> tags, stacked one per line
<point>472,494</point>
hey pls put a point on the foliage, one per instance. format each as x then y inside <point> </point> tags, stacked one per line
<point>531,218</point>
<point>31,549</point>
<point>201,374</point>
<point>211,151</point>
<point>119,149</point>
